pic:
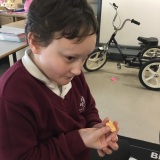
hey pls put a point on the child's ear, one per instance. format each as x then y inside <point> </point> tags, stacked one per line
<point>32,44</point>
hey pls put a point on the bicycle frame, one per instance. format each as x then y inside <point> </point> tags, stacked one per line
<point>129,60</point>
<point>147,59</point>
<point>149,49</point>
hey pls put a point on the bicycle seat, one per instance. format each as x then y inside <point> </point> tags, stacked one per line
<point>148,41</point>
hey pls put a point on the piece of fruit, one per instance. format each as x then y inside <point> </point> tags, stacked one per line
<point>111,125</point>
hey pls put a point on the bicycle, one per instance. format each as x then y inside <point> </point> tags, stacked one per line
<point>149,53</point>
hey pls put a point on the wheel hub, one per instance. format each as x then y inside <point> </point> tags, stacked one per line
<point>156,75</point>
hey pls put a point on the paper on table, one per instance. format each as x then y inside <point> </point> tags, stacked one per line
<point>9,33</point>
<point>1,37</point>
<point>11,30</point>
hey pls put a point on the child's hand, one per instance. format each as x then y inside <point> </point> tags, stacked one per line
<point>96,137</point>
<point>112,145</point>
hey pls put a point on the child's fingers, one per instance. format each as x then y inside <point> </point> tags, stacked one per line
<point>101,153</point>
<point>106,150</point>
<point>105,121</point>
<point>115,139</point>
<point>116,125</point>
<point>109,137</point>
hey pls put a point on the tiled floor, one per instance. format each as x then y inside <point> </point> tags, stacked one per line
<point>120,96</point>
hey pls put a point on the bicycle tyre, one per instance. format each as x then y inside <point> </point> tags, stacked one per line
<point>95,61</point>
<point>149,74</point>
<point>152,52</point>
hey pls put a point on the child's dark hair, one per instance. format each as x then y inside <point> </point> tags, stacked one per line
<point>53,19</point>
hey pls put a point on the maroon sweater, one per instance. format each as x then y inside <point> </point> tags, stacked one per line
<point>36,124</point>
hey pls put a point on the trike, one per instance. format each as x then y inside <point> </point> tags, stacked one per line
<point>147,59</point>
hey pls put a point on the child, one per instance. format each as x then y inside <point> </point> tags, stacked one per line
<point>46,109</point>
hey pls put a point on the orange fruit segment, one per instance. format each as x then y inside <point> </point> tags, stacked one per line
<point>111,125</point>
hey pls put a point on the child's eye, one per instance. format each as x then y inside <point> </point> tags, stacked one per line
<point>70,58</point>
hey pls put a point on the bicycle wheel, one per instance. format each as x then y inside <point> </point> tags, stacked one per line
<point>95,60</point>
<point>152,52</point>
<point>149,74</point>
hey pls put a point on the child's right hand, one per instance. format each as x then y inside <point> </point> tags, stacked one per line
<point>112,145</point>
<point>96,137</point>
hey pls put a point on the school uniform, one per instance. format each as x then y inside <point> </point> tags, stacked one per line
<point>39,121</point>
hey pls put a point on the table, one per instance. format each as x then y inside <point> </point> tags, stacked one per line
<point>9,17</point>
<point>10,48</point>
<point>18,24</point>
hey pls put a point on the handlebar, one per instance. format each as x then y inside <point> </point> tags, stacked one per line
<point>135,22</point>
<point>116,14</point>
<point>114,5</point>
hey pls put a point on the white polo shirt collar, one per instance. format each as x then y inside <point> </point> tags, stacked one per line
<point>35,72</point>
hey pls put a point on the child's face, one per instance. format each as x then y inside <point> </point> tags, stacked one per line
<point>63,59</point>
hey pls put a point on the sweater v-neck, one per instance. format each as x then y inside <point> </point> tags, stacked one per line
<point>35,72</point>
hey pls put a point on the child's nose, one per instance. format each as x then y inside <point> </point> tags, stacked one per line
<point>76,70</point>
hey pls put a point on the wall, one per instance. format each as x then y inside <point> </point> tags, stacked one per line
<point>94,5</point>
<point>145,11</point>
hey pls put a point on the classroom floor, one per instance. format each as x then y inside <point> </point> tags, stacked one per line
<point>120,96</point>
<point>124,99</point>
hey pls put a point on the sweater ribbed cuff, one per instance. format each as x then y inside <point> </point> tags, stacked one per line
<point>75,143</point>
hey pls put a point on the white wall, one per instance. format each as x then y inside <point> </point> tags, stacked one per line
<point>145,11</point>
